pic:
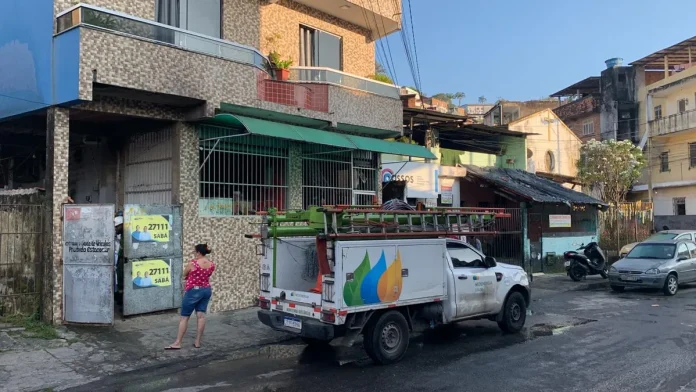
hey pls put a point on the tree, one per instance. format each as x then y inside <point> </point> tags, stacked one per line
<point>380,74</point>
<point>611,167</point>
<point>447,97</point>
<point>379,68</point>
<point>482,99</point>
<point>459,96</point>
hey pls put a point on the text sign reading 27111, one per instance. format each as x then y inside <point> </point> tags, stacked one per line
<point>151,228</point>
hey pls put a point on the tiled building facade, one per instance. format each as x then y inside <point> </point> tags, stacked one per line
<point>110,83</point>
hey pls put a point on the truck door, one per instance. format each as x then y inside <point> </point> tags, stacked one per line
<point>474,283</point>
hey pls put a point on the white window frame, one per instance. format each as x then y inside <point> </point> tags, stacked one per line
<point>588,128</point>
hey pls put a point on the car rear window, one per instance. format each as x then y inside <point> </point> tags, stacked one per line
<point>652,251</point>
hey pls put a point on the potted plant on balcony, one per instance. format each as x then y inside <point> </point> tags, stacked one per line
<point>281,68</point>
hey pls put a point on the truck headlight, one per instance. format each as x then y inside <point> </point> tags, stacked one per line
<point>652,271</point>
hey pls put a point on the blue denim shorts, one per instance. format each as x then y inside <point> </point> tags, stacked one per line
<point>196,299</point>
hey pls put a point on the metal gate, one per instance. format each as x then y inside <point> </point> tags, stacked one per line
<point>21,255</point>
<point>506,245</point>
<point>88,264</point>
<point>536,232</point>
<point>148,174</point>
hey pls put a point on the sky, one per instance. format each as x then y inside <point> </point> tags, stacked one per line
<point>520,50</point>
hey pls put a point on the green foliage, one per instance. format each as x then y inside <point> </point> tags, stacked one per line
<point>610,167</point>
<point>273,55</point>
<point>380,77</point>
<point>482,99</point>
<point>33,326</point>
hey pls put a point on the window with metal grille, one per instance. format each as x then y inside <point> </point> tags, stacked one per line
<point>588,129</point>
<point>658,112</point>
<point>664,161</point>
<point>331,177</point>
<point>240,174</point>
<point>679,205</point>
<point>692,154</point>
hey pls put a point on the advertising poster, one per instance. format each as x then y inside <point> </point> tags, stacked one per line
<point>421,179</point>
<point>150,228</point>
<point>151,273</point>
<point>446,195</point>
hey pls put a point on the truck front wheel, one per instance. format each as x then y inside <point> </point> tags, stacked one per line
<point>386,340</point>
<point>514,313</point>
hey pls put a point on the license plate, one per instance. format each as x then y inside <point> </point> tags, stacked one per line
<point>292,322</point>
<point>567,264</point>
<point>629,278</point>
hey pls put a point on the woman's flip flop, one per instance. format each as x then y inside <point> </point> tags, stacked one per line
<point>172,348</point>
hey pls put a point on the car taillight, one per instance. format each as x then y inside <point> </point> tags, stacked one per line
<point>327,291</point>
<point>328,317</point>
<point>265,282</point>
<point>264,303</point>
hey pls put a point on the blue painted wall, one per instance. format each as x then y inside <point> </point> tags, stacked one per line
<point>562,244</point>
<point>29,61</point>
<point>26,37</point>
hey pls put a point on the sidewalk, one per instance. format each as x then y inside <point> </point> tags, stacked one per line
<point>85,354</point>
<point>562,282</point>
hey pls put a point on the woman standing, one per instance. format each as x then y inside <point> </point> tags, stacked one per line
<point>197,295</point>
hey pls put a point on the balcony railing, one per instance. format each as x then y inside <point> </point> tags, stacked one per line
<point>674,123</point>
<point>117,22</point>
<point>332,76</point>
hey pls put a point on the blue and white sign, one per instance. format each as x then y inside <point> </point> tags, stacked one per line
<point>421,179</point>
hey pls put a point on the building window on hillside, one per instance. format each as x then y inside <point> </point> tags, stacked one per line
<point>679,205</point>
<point>658,112</point>
<point>550,161</point>
<point>319,49</point>
<point>692,155</point>
<point>200,16</point>
<point>683,104</point>
<point>664,162</point>
<point>241,175</point>
<point>588,129</point>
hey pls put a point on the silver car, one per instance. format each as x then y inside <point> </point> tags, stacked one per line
<point>660,236</point>
<point>656,264</point>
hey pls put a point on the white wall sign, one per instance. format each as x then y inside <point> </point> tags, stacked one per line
<point>422,181</point>
<point>559,221</point>
<point>447,195</point>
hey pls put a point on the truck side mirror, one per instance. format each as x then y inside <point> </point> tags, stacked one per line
<point>490,262</point>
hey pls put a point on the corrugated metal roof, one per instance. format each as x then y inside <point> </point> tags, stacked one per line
<point>530,186</point>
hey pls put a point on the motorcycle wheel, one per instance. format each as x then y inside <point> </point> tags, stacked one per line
<point>577,273</point>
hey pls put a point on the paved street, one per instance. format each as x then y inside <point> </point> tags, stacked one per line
<point>576,341</point>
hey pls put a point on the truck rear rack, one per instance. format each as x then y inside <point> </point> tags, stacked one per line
<point>372,222</point>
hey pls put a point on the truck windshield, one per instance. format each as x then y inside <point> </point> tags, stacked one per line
<point>652,251</point>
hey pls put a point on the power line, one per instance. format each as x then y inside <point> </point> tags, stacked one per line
<point>415,48</point>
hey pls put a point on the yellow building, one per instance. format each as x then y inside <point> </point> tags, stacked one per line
<point>553,149</point>
<point>666,85</point>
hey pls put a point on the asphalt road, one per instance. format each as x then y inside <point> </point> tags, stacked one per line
<point>575,341</point>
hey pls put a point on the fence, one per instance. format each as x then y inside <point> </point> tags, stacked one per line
<point>506,245</point>
<point>627,223</point>
<point>21,257</point>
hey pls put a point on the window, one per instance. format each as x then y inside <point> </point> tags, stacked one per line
<point>683,251</point>
<point>679,205</point>
<point>652,251</point>
<point>683,103</point>
<point>319,49</point>
<point>658,112</point>
<point>622,78</point>
<point>464,257</point>
<point>692,154</point>
<point>200,16</point>
<point>588,129</point>
<point>240,175</point>
<point>692,249</point>
<point>664,162</point>
<point>550,161</point>
<point>686,236</point>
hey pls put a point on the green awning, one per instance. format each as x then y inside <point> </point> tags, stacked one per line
<point>298,133</point>
<point>395,148</point>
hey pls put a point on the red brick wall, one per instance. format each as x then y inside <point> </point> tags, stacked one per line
<point>310,96</point>
<point>653,76</point>
<point>576,125</point>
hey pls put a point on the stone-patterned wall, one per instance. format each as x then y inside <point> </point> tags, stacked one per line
<point>141,8</point>
<point>295,177</point>
<point>369,110</point>
<point>241,20</point>
<point>142,65</point>
<point>133,108</point>
<point>57,150</point>
<point>285,18</point>
<point>235,281</point>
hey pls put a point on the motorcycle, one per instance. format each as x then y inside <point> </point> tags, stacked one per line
<point>592,261</point>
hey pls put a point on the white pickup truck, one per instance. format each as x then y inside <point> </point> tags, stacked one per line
<point>385,289</point>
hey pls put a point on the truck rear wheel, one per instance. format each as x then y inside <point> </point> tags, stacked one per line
<point>514,313</point>
<point>386,340</point>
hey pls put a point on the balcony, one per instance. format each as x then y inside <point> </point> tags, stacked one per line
<point>342,79</point>
<point>124,24</point>
<point>581,107</point>
<point>380,17</point>
<point>674,123</point>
